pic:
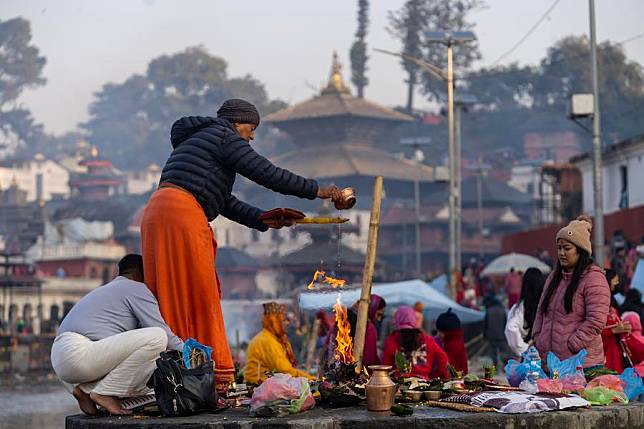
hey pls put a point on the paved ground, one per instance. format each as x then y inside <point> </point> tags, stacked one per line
<point>629,416</point>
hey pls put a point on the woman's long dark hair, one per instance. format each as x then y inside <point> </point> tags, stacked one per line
<point>410,339</point>
<point>584,262</point>
<point>610,274</point>
<point>531,290</point>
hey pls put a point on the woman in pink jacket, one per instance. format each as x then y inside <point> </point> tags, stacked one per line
<point>574,305</point>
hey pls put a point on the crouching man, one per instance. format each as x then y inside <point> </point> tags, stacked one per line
<point>106,347</point>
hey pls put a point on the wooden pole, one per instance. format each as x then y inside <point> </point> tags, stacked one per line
<point>310,349</point>
<point>367,274</point>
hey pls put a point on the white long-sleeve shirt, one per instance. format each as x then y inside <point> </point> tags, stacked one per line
<point>514,330</point>
<point>119,306</point>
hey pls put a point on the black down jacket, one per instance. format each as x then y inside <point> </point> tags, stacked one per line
<point>208,153</point>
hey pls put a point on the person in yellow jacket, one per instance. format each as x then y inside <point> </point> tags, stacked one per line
<point>270,349</point>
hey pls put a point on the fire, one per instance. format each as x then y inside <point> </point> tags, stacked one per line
<point>323,278</point>
<point>344,343</point>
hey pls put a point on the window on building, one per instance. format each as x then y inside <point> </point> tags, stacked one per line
<point>623,199</point>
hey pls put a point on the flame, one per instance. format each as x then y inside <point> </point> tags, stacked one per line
<point>323,278</point>
<point>344,343</point>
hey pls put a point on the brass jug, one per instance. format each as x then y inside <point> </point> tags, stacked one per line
<point>347,199</point>
<point>380,389</point>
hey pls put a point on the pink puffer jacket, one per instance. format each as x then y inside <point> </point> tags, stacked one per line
<point>565,334</point>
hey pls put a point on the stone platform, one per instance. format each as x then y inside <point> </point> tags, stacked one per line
<point>629,416</point>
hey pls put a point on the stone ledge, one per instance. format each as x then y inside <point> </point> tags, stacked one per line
<point>629,416</point>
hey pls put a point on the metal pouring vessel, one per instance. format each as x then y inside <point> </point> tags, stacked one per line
<point>347,199</point>
<point>380,389</point>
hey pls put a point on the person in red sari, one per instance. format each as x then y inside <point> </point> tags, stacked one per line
<point>450,332</point>
<point>426,358</point>
<point>615,328</point>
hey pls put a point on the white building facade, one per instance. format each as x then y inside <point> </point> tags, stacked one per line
<point>39,177</point>
<point>623,176</point>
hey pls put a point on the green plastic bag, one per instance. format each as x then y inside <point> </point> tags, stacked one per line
<point>298,404</point>
<point>603,396</point>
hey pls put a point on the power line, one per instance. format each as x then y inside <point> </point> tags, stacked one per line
<point>561,60</point>
<point>631,39</point>
<point>530,31</point>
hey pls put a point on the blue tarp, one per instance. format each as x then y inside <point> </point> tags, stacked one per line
<point>638,277</point>
<point>396,294</point>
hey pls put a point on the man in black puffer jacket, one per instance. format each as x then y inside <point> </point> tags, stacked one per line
<point>196,186</point>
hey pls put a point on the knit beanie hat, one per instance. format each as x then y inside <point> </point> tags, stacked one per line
<point>240,111</point>
<point>448,321</point>
<point>578,233</point>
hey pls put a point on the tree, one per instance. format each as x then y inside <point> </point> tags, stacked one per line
<point>566,70</point>
<point>406,25</point>
<point>20,68</point>
<point>130,122</point>
<point>358,52</point>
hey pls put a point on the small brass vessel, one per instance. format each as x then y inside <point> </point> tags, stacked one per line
<point>347,199</point>
<point>380,389</point>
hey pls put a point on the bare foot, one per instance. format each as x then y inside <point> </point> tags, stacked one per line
<point>85,402</point>
<point>110,403</point>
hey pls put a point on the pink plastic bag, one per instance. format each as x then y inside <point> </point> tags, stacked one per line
<point>283,392</point>
<point>546,385</point>
<point>573,383</point>
<point>611,382</point>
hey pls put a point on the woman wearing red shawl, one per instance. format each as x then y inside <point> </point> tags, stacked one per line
<point>615,328</point>
<point>449,330</point>
<point>635,340</point>
<point>370,356</point>
<point>425,357</point>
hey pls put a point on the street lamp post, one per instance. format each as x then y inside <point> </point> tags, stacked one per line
<point>585,106</point>
<point>597,145</point>
<point>450,38</point>
<point>416,143</point>
<point>462,101</point>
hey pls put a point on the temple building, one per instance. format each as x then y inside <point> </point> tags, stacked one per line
<point>100,180</point>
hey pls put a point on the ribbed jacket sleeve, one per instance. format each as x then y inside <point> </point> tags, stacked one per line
<point>596,304</point>
<point>240,157</point>
<point>243,213</point>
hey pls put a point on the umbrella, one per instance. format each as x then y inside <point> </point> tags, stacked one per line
<point>518,261</point>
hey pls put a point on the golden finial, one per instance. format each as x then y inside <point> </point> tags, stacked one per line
<point>336,85</point>
<point>94,152</point>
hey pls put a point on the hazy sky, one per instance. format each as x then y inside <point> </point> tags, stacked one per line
<point>286,44</point>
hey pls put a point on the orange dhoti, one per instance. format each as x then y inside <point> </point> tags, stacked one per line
<point>179,251</point>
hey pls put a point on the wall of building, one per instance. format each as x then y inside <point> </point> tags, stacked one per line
<point>55,178</point>
<point>630,157</point>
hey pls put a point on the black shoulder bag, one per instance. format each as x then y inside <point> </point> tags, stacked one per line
<point>180,391</point>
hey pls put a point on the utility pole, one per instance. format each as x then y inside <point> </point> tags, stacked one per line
<point>452,197</point>
<point>598,188</point>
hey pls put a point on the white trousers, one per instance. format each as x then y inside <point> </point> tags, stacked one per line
<point>119,365</point>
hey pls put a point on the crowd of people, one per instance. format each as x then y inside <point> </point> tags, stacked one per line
<point>106,346</point>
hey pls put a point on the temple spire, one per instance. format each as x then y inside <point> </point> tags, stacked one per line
<point>336,84</point>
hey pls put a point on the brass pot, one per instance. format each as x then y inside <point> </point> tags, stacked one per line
<point>347,199</point>
<point>380,389</point>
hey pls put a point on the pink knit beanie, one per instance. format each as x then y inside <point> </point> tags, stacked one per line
<point>578,233</point>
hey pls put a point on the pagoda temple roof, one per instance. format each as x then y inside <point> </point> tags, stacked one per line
<point>336,100</point>
<point>320,162</point>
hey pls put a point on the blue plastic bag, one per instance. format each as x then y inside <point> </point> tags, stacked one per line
<point>191,344</point>
<point>567,366</point>
<point>634,386</point>
<point>516,372</point>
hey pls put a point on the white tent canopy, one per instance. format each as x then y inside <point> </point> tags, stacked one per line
<point>518,261</point>
<point>396,294</point>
